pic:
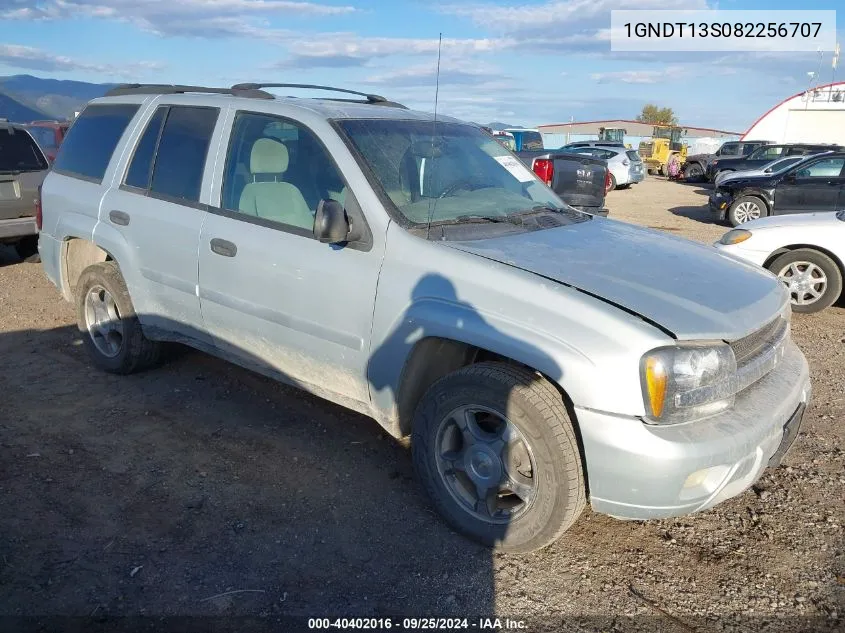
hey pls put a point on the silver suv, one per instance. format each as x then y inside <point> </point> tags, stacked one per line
<point>412,269</point>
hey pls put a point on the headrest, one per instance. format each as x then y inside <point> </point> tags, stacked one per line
<point>268,157</point>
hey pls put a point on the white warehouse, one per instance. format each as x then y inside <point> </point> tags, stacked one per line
<point>813,116</point>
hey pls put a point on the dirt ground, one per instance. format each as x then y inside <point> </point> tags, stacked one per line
<point>200,489</point>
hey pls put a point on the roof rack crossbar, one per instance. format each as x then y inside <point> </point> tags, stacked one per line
<point>142,89</point>
<point>371,98</point>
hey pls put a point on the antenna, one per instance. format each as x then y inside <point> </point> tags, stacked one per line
<point>431,206</point>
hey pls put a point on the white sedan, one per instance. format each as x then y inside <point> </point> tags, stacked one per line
<point>805,251</point>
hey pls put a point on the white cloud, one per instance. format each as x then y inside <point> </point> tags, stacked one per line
<point>451,73</point>
<point>640,76</point>
<point>201,18</point>
<point>30,58</point>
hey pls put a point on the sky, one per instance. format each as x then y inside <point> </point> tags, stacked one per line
<point>520,62</point>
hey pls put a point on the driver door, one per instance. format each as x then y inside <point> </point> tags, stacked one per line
<point>812,188</point>
<point>271,295</point>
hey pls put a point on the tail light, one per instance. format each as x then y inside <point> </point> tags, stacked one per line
<point>39,218</point>
<point>608,183</point>
<point>545,169</point>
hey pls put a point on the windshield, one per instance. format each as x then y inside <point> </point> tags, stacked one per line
<point>461,174</point>
<point>18,152</point>
<point>781,164</point>
<point>44,136</point>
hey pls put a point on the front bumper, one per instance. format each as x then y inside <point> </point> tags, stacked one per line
<point>18,227</point>
<point>640,471</point>
<point>719,204</point>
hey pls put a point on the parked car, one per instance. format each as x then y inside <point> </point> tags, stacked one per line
<point>425,277</point>
<point>594,144</point>
<point>624,165</point>
<point>695,166</point>
<point>580,180</point>
<point>525,140</point>
<point>763,155</point>
<point>813,185</point>
<point>22,170</point>
<point>774,167</point>
<point>806,252</point>
<point>49,135</point>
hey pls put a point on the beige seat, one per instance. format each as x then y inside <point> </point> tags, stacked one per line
<point>273,199</point>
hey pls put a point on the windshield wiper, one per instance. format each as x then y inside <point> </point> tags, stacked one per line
<point>474,219</point>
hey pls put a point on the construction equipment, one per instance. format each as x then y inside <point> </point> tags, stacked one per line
<point>612,134</point>
<point>665,141</point>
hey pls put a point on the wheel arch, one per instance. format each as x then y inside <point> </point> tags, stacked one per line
<point>77,254</point>
<point>813,247</point>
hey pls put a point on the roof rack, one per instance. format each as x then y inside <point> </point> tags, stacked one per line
<point>169,89</point>
<point>370,98</point>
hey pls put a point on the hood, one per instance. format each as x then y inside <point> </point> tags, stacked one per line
<point>828,218</point>
<point>687,288</point>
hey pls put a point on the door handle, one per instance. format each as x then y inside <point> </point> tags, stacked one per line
<point>119,217</point>
<point>223,247</point>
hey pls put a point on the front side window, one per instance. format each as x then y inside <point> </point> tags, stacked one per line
<point>90,142</point>
<point>182,150</point>
<point>767,153</point>
<point>728,149</point>
<point>826,168</point>
<point>278,171</point>
<point>446,173</point>
<point>18,152</point>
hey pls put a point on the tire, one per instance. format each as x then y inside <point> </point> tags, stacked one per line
<point>27,248</point>
<point>746,208</point>
<point>107,322</point>
<point>612,184</point>
<point>661,170</point>
<point>694,172</point>
<point>822,284</point>
<point>543,442</point>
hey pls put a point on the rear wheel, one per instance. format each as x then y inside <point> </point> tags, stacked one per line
<point>813,279</point>
<point>745,209</point>
<point>496,452</point>
<point>613,184</point>
<point>110,328</point>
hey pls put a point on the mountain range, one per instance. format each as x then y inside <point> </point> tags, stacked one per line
<point>25,98</point>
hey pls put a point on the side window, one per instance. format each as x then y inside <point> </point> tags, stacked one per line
<point>728,150</point>
<point>771,153</point>
<point>827,168</point>
<point>747,149</point>
<point>91,140</point>
<point>278,171</point>
<point>182,150</point>
<point>138,174</point>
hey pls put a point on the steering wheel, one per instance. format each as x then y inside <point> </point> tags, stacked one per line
<point>463,184</point>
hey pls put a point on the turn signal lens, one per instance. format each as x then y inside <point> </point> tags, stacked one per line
<point>656,383</point>
<point>735,237</point>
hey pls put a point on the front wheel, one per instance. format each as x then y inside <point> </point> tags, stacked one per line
<point>813,279</point>
<point>745,209</point>
<point>693,172</point>
<point>496,452</point>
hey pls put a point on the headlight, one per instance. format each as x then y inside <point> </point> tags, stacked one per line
<point>687,382</point>
<point>735,236</point>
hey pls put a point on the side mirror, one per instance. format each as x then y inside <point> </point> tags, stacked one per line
<point>331,226</point>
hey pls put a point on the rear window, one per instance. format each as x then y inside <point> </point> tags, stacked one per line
<point>91,140</point>
<point>182,150</point>
<point>18,152</point>
<point>634,156</point>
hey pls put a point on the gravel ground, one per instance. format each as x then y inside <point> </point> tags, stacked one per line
<point>154,494</point>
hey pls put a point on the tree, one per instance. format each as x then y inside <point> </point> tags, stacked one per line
<point>652,114</point>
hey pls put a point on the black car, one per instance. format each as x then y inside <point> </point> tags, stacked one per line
<point>695,166</point>
<point>817,184</point>
<point>765,154</point>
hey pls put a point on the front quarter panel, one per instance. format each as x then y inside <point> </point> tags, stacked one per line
<point>590,348</point>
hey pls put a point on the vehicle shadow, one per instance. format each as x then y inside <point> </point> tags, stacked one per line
<point>699,214</point>
<point>203,489</point>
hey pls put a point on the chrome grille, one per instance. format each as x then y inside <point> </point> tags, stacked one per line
<point>751,345</point>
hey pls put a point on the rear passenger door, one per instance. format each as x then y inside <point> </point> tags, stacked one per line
<point>273,296</point>
<point>156,206</point>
